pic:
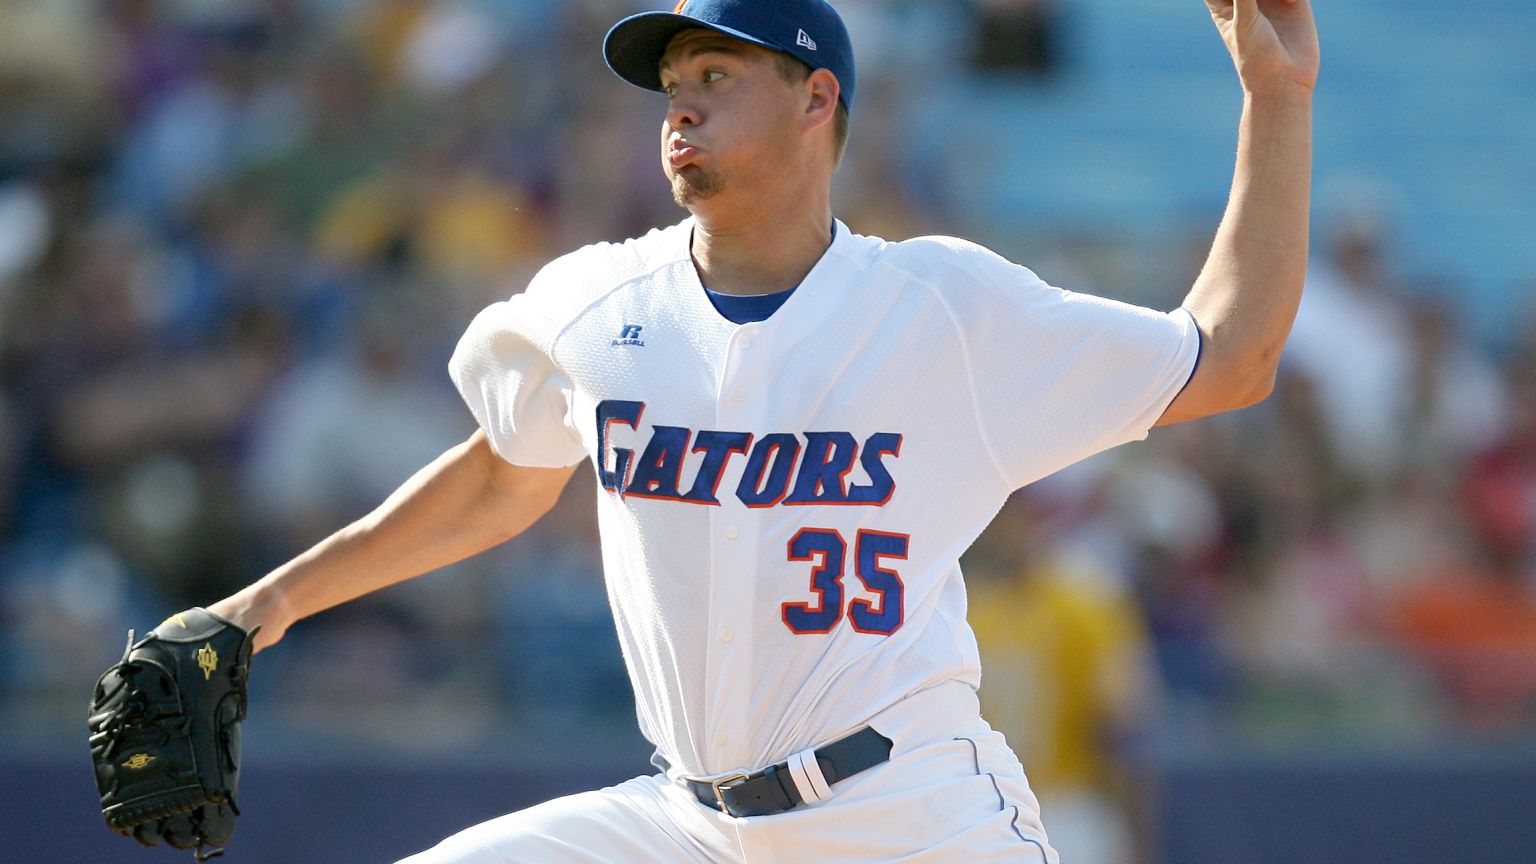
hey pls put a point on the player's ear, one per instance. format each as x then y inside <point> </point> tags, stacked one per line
<point>822,91</point>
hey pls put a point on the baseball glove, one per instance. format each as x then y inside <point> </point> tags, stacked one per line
<point>165,733</point>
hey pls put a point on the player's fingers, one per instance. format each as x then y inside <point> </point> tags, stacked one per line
<point>1221,10</point>
<point>1245,15</point>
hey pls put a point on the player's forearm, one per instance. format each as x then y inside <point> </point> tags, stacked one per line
<point>1247,294</point>
<point>464,502</point>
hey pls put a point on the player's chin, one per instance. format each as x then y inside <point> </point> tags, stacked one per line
<point>692,184</point>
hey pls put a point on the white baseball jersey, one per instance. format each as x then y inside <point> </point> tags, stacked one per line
<point>784,503</point>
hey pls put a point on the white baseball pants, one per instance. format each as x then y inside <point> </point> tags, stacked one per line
<point>952,793</point>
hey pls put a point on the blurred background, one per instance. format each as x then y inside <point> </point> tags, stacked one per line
<point>239,239</point>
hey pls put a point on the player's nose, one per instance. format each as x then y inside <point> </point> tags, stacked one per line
<point>683,112</point>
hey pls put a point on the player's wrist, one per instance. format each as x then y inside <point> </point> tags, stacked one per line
<point>263,605</point>
<point>1279,89</point>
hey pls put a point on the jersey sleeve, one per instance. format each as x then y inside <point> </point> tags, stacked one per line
<point>1059,376</point>
<point>505,371</point>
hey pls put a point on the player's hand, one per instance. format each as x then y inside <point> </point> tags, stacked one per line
<point>1273,43</point>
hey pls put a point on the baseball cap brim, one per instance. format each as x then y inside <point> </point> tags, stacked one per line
<point>635,46</point>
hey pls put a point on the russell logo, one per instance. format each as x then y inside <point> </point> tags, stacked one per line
<point>629,336</point>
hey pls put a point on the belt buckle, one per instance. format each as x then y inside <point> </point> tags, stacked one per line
<point>730,781</point>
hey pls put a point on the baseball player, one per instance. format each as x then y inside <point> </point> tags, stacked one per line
<point>797,431</point>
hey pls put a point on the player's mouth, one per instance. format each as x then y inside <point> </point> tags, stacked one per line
<point>681,153</point>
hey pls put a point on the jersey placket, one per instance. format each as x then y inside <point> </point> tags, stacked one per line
<point>734,558</point>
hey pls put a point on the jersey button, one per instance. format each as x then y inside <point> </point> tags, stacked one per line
<point>726,635</point>
<point>721,740</point>
<point>739,397</point>
<point>731,533</point>
<point>745,342</point>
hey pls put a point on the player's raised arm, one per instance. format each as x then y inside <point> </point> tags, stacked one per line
<point>1246,296</point>
<point>464,502</point>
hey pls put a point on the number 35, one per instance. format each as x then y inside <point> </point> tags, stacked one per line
<point>829,551</point>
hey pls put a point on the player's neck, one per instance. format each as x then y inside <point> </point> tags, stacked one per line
<point>763,255</point>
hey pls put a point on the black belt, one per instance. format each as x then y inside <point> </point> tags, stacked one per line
<point>772,790</point>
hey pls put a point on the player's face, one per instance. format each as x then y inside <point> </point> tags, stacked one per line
<point>729,131</point>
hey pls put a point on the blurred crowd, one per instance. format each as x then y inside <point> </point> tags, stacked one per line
<point>239,239</point>
<point>1347,567</point>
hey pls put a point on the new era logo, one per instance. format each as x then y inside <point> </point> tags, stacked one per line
<point>804,40</point>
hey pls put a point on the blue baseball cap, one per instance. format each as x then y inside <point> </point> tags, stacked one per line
<point>808,30</point>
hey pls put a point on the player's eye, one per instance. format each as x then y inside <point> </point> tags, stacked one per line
<point>713,75</point>
<point>669,89</point>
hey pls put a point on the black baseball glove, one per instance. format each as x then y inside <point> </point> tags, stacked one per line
<point>165,733</point>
